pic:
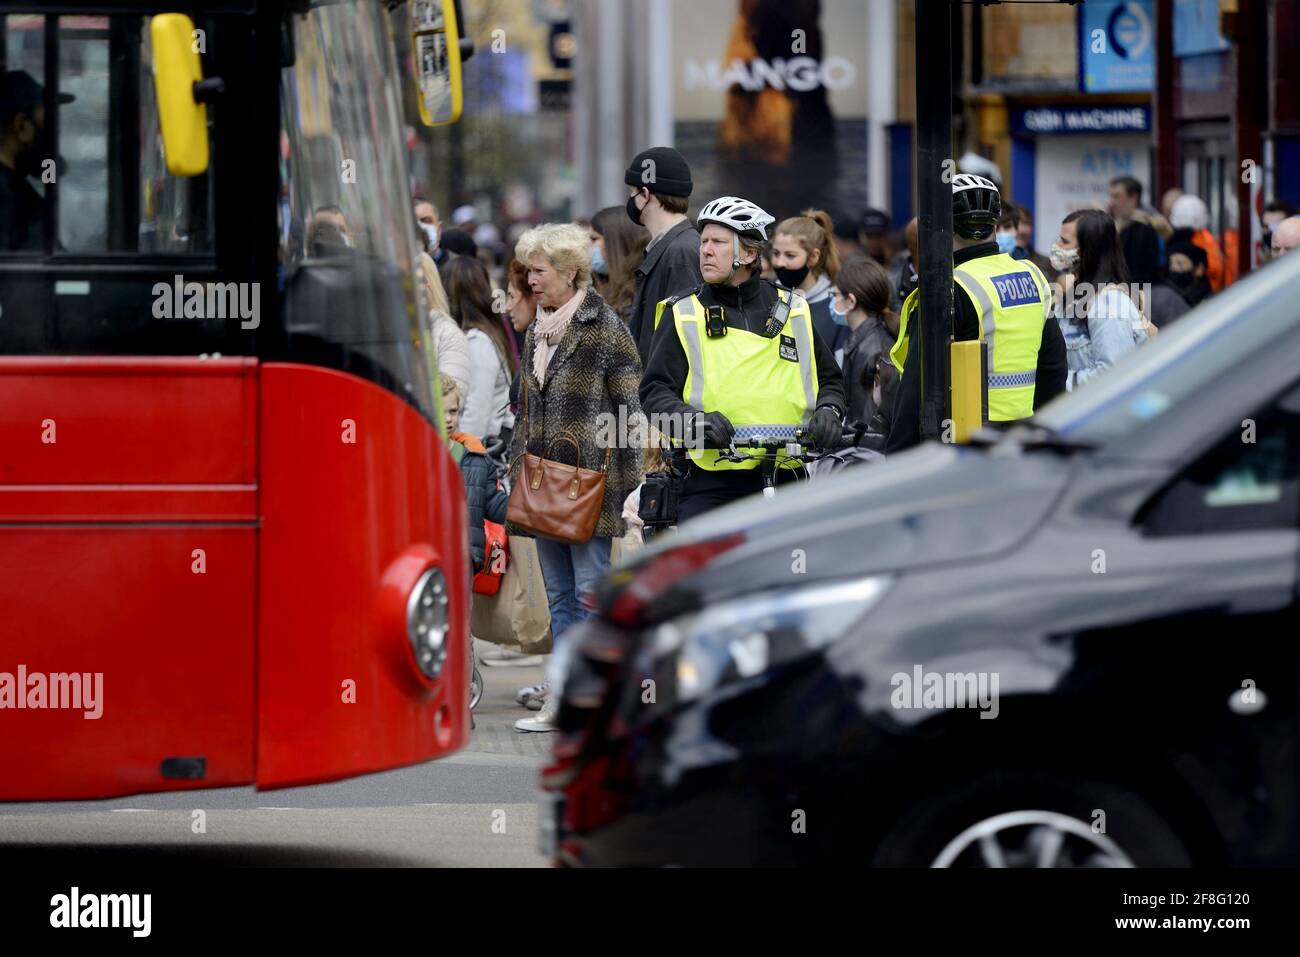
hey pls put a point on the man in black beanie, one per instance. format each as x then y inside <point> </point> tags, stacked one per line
<point>659,184</point>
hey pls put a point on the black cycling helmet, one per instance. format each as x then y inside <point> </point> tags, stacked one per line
<point>976,206</point>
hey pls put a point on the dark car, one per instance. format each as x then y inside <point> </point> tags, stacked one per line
<point>1071,643</point>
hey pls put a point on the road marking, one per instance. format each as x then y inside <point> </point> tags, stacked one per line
<point>133,810</point>
<point>280,809</point>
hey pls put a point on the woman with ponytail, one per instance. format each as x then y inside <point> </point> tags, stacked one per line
<point>804,258</point>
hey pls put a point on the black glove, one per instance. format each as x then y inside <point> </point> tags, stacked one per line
<point>825,428</point>
<point>714,430</point>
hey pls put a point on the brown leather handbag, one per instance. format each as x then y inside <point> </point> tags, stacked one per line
<point>553,499</point>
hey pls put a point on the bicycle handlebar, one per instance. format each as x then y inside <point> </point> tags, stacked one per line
<point>776,438</point>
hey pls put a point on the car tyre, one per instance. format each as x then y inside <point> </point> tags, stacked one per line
<point>1028,819</point>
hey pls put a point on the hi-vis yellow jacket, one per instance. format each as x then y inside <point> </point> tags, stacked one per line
<point>1011,297</point>
<point>750,378</point>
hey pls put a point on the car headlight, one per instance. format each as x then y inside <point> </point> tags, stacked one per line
<point>746,636</point>
<point>427,621</point>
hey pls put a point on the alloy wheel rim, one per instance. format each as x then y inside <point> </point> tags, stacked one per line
<point>1031,839</point>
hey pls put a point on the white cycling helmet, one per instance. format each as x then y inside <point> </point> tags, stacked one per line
<point>739,215</point>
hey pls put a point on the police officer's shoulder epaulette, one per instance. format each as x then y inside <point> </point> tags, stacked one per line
<point>790,291</point>
<point>678,296</point>
<point>668,304</point>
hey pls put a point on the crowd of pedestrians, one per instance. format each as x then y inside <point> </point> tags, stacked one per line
<point>540,339</point>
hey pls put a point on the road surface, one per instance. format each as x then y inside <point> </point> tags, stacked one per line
<point>476,808</point>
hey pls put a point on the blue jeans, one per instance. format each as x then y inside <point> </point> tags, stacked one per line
<point>570,571</point>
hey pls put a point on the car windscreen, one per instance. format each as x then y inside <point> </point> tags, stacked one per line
<point>1211,342</point>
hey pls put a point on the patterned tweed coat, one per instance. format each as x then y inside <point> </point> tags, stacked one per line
<point>594,371</point>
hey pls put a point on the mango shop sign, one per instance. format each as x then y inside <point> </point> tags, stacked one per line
<point>799,74</point>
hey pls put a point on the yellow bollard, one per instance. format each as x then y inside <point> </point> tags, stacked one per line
<point>969,409</point>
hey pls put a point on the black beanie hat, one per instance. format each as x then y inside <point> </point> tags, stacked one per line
<point>671,174</point>
<point>1189,249</point>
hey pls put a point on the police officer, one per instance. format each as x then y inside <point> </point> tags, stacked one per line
<point>736,350</point>
<point>1004,301</point>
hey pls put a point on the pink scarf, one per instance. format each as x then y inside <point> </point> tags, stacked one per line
<point>549,330</point>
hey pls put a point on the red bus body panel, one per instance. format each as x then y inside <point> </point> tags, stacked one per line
<point>131,495</point>
<point>352,477</point>
<point>117,476</point>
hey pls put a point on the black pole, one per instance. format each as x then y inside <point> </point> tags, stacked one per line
<point>935,167</point>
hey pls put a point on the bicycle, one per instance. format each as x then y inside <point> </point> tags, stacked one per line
<point>780,445</point>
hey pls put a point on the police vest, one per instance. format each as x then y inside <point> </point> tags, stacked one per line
<point>898,353</point>
<point>749,378</point>
<point>1011,298</point>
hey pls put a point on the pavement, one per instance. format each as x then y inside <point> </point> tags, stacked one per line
<point>476,808</point>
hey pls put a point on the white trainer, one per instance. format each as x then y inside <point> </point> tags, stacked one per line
<point>523,695</point>
<point>544,720</point>
<point>499,656</point>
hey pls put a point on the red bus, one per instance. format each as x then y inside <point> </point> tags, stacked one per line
<point>232,541</point>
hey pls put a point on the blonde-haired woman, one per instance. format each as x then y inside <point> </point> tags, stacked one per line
<point>579,369</point>
<point>449,342</point>
<point>804,258</point>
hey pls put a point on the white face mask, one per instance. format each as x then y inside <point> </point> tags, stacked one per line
<point>1063,260</point>
<point>431,233</point>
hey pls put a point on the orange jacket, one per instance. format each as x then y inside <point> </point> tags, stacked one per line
<point>1230,254</point>
<point>472,443</point>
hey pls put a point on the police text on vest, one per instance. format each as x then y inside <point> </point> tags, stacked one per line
<point>1016,289</point>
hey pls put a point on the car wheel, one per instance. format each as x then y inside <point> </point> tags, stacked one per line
<point>1022,819</point>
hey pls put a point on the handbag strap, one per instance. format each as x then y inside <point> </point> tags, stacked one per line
<point>528,423</point>
<point>566,436</point>
<point>523,404</point>
<point>528,429</point>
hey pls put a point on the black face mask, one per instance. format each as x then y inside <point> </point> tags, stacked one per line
<point>633,213</point>
<point>791,277</point>
<point>1183,280</point>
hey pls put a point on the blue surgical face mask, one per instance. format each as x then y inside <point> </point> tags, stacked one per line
<point>1006,242</point>
<point>598,261</point>
<point>840,318</point>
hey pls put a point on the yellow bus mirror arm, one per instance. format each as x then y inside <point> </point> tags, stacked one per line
<point>969,408</point>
